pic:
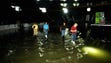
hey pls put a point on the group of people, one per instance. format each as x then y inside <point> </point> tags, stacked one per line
<point>35,28</point>
<point>73,31</point>
<point>63,29</point>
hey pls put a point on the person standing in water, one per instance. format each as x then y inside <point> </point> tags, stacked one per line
<point>35,29</point>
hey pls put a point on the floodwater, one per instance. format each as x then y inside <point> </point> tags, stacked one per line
<point>22,47</point>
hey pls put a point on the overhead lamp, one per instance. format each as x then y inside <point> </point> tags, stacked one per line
<point>43,10</point>
<point>77,4</point>
<point>75,0</point>
<point>63,0</point>
<point>65,10</point>
<point>88,9</point>
<point>37,0</point>
<point>13,6</point>
<point>17,8</point>
<point>63,4</point>
<point>74,4</point>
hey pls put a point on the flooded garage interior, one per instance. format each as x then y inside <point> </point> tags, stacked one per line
<point>19,45</point>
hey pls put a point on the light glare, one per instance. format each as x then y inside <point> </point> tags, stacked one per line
<point>17,8</point>
<point>63,4</point>
<point>38,0</point>
<point>13,6</point>
<point>63,0</point>
<point>88,9</point>
<point>65,10</point>
<point>43,10</point>
<point>75,0</point>
<point>95,52</point>
<point>74,4</point>
<point>77,4</point>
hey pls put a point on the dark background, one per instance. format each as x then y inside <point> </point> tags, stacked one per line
<point>30,10</point>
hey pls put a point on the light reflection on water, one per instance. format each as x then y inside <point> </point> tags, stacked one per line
<point>23,48</point>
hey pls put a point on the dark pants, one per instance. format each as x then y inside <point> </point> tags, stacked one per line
<point>73,36</point>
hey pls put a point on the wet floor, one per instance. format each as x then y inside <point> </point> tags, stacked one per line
<point>22,47</point>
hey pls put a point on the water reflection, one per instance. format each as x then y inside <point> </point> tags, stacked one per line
<point>24,48</point>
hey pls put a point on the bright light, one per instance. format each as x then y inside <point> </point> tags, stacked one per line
<point>63,0</point>
<point>77,4</point>
<point>63,4</point>
<point>75,0</point>
<point>43,10</point>
<point>95,52</point>
<point>88,9</point>
<point>74,4</point>
<point>38,0</point>
<point>13,6</point>
<point>17,8</point>
<point>65,10</point>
